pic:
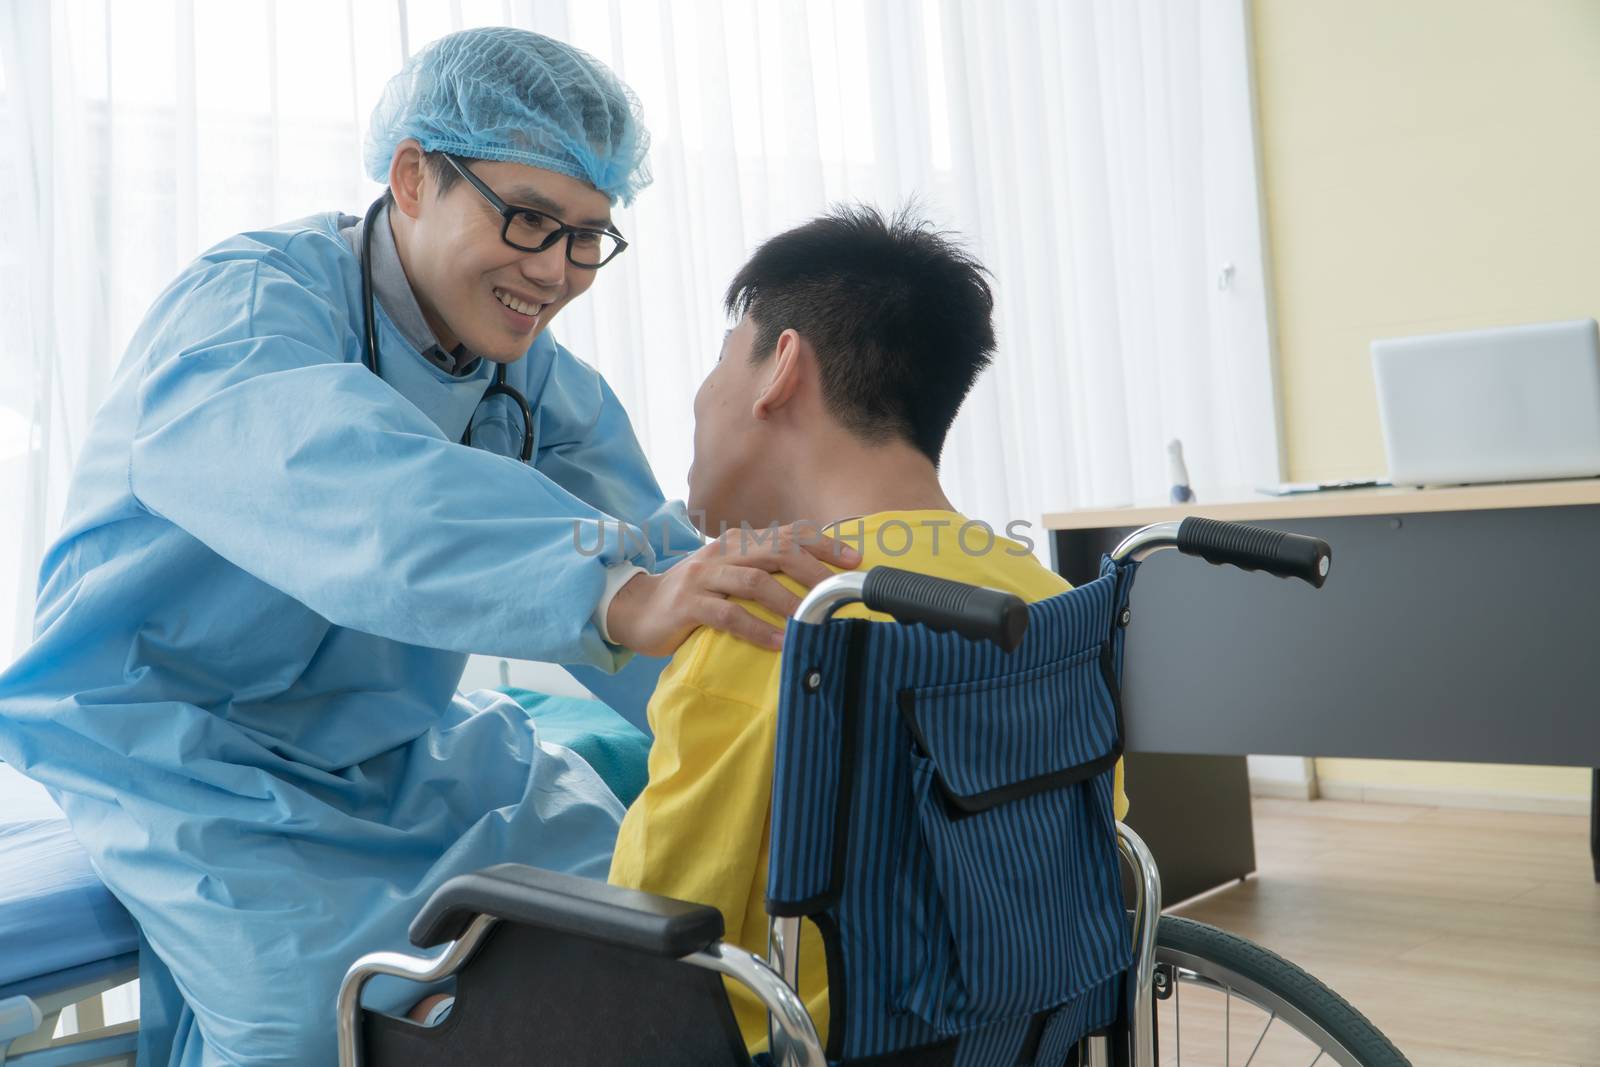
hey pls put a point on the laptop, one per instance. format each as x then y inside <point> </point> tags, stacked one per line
<point>1519,403</point>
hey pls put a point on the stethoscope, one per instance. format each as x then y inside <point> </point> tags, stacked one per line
<point>369,353</point>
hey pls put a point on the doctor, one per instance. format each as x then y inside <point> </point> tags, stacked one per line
<point>297,513</point>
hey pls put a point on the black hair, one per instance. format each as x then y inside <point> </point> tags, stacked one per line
<point>899,315</point>
<point>444,175</point>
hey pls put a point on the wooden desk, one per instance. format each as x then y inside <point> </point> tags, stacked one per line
<point>1457,624</point>
<point>1246,506</point>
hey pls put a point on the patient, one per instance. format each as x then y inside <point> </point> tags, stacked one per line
<point>856,341</point>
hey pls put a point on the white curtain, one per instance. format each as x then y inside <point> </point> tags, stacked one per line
<point>1098,155</point>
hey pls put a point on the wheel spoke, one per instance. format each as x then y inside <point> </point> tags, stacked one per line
<point>1270,1020</point>
<point>1271,988</point>
<point>1177,1015</point>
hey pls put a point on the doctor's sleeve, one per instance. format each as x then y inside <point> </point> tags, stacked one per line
<point>588,447</point>
<point>260,438</point>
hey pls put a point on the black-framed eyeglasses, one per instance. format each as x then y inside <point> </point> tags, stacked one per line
<point>528,230</point>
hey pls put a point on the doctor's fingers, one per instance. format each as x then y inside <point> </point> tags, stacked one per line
<point>798,550</point>
<point>719,613</point>
<point>752,583</point>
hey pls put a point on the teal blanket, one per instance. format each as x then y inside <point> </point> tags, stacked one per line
<point>617,751</point>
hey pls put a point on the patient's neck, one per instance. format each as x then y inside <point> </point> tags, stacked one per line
<point>846,477</point>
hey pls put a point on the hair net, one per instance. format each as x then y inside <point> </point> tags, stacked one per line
<point>506,94</point>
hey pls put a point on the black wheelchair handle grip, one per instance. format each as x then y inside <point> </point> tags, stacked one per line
<point>1252,548</point>
<point>973,611</point>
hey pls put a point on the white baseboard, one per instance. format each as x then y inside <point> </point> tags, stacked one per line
<point>1283,789</point>
<point>1536,803</point>
<point>1292,777</point>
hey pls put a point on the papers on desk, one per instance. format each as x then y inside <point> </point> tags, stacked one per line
<point>1296,488</point>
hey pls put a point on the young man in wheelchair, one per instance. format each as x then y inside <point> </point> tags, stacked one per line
<point>857,339</point>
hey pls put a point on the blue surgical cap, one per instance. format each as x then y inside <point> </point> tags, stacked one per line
<point>506,94</point>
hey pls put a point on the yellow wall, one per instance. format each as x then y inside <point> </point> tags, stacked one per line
<point>1428,165</point>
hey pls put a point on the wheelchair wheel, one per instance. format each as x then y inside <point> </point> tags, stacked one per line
<point>1223,1001</point>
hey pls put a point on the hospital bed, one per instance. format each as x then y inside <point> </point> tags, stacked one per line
<point>64,942</point>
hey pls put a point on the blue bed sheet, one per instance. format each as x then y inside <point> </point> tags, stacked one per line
<point>54,912</point>
<point>614,747</point>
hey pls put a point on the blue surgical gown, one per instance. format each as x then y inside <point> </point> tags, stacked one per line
<point>249,634</point>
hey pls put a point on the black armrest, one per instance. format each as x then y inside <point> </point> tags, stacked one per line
<point>627,918</point>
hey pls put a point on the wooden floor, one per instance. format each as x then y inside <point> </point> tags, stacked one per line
<point>1471,938</point>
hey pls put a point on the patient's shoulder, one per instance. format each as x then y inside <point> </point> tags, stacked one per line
<point>718,664</point>
<point>1027,577</point>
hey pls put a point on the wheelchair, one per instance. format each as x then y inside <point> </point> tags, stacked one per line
<point>942,812</point>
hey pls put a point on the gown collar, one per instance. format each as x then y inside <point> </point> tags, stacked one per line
<point>393,290</point>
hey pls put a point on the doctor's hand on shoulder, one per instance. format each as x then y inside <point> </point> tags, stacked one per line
<point>653,613</point>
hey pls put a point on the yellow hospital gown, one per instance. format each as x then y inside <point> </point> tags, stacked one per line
<point>699,830</point>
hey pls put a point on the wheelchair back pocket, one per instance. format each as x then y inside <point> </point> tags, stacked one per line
<point>1008,894</point>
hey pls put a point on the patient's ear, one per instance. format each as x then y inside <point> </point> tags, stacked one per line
<point>783,372</point>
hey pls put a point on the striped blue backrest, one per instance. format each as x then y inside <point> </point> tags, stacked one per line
<point>943,811</point>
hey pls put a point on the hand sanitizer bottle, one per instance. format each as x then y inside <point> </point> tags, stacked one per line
<point>1178,473</point>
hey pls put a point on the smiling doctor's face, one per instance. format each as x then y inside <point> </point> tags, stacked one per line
<point>473,288</point>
